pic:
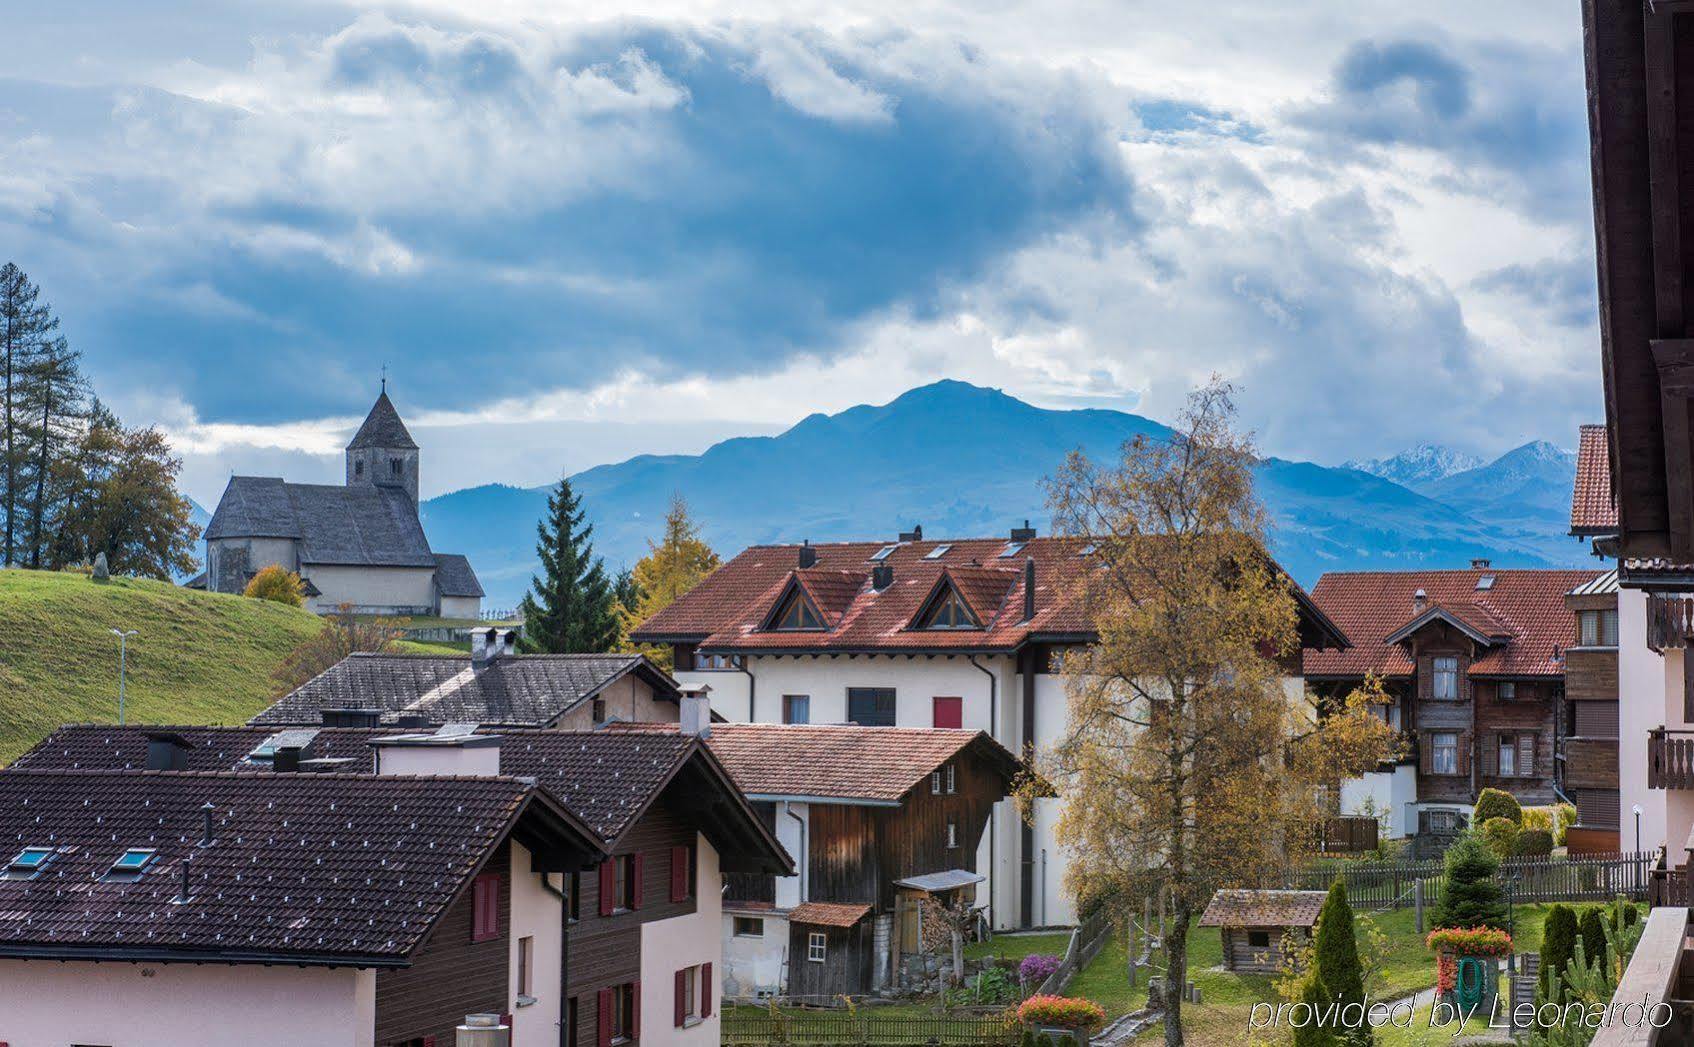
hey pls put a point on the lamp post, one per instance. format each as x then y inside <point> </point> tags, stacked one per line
<point>1635,809</point>
<point>123,666</point>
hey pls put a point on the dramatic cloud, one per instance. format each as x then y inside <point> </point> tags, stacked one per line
<point>572,237</point>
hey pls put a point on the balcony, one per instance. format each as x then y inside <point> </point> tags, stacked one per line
<point>1670,759</point>
<point>1661,969</point>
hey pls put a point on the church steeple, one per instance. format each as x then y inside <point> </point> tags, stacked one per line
<point>382,452</point>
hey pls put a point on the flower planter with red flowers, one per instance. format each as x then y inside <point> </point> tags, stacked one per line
<point>1466,970</point>
<point>1061,1017</point>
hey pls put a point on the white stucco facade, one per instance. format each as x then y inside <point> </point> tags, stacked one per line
<point>753,963</point>
<point>50,1004</point>
<point>1650,686</point>
<point>377,590</point>
<point>1390,795</point>
<point>537,916</point>
<point>682,942</point>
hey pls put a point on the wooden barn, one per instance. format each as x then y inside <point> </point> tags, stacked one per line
<point>1255,923</point>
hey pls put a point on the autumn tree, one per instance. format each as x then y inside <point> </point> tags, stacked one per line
<point>1185,765</point>
<point>343,633</point>
<point>674,564</point>
<point>277,584</point>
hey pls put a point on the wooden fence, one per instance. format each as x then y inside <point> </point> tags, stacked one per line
<point>1348,834</point>
<point>754,1028</point>
<point>1087,939</point>
<point>1587,877</point>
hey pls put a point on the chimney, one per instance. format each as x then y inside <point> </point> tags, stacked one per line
<point>1419,599</point>
<point>882,576</point>
<point>452,750</point>
<point>352,718</point>
<point>484,647</point>
<point>286,759</point>
<point>167,752</point>
<point>508,641</point>
<point>1028,589</point>
<point>483,1030</point>
<point>207,810</point>
<point>1480,564</point>
<point>1024,533</point>
<point>914,535</point>
<point>182,895</point>
<point>808,555</point>
<point>411,721</point>
<point>696,710</point>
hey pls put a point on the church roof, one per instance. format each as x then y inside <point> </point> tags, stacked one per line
<point>383,428</point>
<point>454,577</point>
<point>357,525</point>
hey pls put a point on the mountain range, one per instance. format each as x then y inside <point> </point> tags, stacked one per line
<point>962,460</point>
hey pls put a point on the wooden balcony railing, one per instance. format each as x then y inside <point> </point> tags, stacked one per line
<point>1670,759</point>
<point>1670,620</point>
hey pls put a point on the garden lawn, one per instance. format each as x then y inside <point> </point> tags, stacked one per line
<point>1017,946</point>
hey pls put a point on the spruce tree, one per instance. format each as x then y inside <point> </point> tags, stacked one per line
<point>1336,956</point>
<point>56,402</point>
<point>1558,938</point>
<point>569,608</point>
<point>1469,895</point>
<point>26,326</point>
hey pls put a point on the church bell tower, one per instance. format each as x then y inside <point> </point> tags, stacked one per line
<point>382,452</point>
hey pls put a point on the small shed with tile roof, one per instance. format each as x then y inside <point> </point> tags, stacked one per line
<point>1258,925</point>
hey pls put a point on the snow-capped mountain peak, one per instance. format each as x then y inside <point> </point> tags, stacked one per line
<point>1425,463</point>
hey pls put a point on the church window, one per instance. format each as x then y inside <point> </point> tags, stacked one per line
<point>394,466</point>
<point>359,468</point>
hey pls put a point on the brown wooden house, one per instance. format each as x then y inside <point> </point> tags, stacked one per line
<point>1256,925</point>
<point>1589,773</point>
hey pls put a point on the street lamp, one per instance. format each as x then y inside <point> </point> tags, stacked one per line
<point>123,666</point>
<point>1636,810</point>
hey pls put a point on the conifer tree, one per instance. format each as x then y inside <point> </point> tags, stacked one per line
<point>1469,895</point>
<point>1558,937</point>
<point>1314,1033</point>
<point>1336,956</point>
<point>26,326</point>
<point>569,607</point>
<point>1591,928</point>
<point>673,565</point>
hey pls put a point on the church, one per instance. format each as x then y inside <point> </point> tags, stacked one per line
<point>358,544</point>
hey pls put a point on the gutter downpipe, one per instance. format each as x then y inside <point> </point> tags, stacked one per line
<point>752,690</point>
<point>993,732</point>
<point>805,855</point>
<point>564,954</point>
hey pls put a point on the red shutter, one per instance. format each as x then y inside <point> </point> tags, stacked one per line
<point>485,908</point>
<point>603,1031</point>
<point>635,865</point>
<point>707,994</point>
<point>679,874</point>
<point>950,712</point>
<point>681,998</point>
<point>607,890</point>
<point>635,1010</point>
<point>429,1041</point>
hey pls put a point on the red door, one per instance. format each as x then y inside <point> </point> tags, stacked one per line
<point>949,712</point>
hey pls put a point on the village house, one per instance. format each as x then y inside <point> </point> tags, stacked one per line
<point>359,544</point>
<point>569,881</point>
<point>1474,661</point>
<point>914,632</point>
<point>493,686</point>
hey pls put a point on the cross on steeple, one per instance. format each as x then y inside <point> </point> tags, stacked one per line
<point>385,378</point>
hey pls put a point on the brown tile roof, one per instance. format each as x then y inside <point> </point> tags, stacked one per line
<point>1525,606</point>
<point>838,761</point>
<point>522,690</point>
<point>328,867</point>
<point>1592,510</point>
<point>828,914</point>
<point>728,610</point>
<point>1244,908</point>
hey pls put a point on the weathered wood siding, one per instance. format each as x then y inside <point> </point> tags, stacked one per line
<point>846,969</point>
<point>451,976</point>
<point>1591,674</point>
<point>1432,715</point>
<point>1239,954</point>
<point>1592,763</point>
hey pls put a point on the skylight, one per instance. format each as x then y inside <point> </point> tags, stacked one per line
<point>882,554</point>
<point>29,861</point>
<point>1485,583</point>
<point>937,553</point>
<point>131,862</point>
<point>1011,549</point>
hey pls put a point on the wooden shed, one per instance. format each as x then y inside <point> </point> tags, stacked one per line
<point>1254,924</point>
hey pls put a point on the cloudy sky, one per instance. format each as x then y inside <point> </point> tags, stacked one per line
<point>577,231</point>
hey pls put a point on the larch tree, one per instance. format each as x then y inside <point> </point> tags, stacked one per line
<point>674,564</point>
<point>27,327</point>
<point>569,608</point>
<point>57,404</point>
<point>1186,765</point>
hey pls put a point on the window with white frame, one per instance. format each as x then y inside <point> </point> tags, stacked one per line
<point>1445,678</point>
<point>1508,755</point>
<point>1507,690</point>
<point>1444,753</point>
<point>952,834</point>
<point>816,947</point>
<point>1597,628</point>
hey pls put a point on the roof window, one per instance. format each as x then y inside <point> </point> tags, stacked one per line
<point>1485,583</point>
<point>131,863</point>
<point>883,553</point>
<point>1011,549</point>
<point>29,862</point>
<point>937,553</point>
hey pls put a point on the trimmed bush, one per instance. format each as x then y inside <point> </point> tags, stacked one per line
<point>1336,954</point>
<point>1469,895</point>
<point>1062,1012</point>
<point>1497,803</point>
<point>1534,843</point>
<point>1592,928</point>
<point>1315,997</point>
<point>277,585</point>
<point>1558,942</point>
<point>1564,816</point>
<point>1501,836</point>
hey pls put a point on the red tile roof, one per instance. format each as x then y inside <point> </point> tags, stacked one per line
<point>727,611</point>
<point>1592,510</point>
<point>828,914</point>
<point>1243,908</point>
<point>1526,607</point>
<point>839,761</point>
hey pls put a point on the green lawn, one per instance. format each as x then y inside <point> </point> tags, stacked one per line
<point>197,658</point>
<point>1017,946</point>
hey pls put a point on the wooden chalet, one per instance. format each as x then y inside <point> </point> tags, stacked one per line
<point>1257,925</point>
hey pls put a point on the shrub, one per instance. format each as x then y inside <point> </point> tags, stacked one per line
<point>1534,843</point>
<point>1538,818</point>
<point>993,985</point>
<point>1063,1012</point>
<point>1558,939</point>
<point>1469,895</point>
<point>1316,997</point>
<point>1497,803</point>
<point>1336,950</point>
<point>1591,928</point>
<point>1036,968</point>
<point>278,586</point>
<point>1501,836</point>
<point>1564,816</point>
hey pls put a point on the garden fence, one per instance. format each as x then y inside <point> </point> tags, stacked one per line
<point>1086,940</point>
<point>746,1027</point>
<point>1576,878</point>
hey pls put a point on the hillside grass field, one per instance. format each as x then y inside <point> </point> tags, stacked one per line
<point>197,658</point>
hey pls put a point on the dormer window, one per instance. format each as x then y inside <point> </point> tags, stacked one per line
<point>29,862</point>
<point>797,614</point>
<point>948,611</point>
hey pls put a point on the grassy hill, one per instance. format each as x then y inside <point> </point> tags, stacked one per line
<point>198,657</point>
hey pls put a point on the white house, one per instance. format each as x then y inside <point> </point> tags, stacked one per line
<point>912,633</point>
